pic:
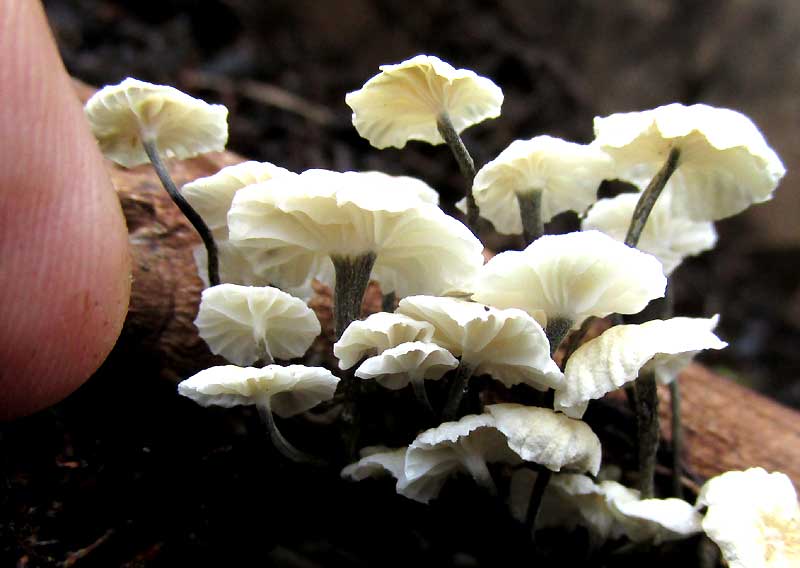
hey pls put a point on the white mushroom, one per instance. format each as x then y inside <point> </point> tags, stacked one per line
<point>548,438</point>
<point>451,447</point>
<point>377,461</point>
<point>404,101</point>
<point>667,235</point>
<point>723,162</point>
<point>608,362</point>
<point>533,180</point>
<point>377,333</point>
<point>652,520</point>
<point>246,324</point>
<point>287,391</point>
<point>180,126</point>
<point>754,518</point>
<point>563,279</point>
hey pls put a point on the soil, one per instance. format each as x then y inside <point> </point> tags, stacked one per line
<point>119,476</point>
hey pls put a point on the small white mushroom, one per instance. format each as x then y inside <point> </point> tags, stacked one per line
<point>404,101</point>
<point>286,391</point>
<point>377,333</point>
<point>608,362</point>
<point>754,518</point>
<point>377,461</point>
<point>667,235</point>
<point>246,324</point>
<point>543,175</point>
<point>548,438</point>
<point>723,164</point>
<point>123,116</point>
<point>563,279</point>
<point>652,520</point>
<point>451,447</point>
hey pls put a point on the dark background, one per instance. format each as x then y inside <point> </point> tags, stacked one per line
<point>145,479</point>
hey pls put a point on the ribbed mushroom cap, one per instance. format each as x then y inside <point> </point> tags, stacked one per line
<point>287,390</point>
<point>725,164</point>
<point>667,235</point>
<point>403,101</point>
<point>377,461</point>
<point>394,368</point>
<point>754,518</point>
<point>608,362</point>
<point>653,520</point>
<point>548,438</point>
<point>507,344</point>
<point>245,324</point>
<point>566,173</point>
<point>463,446</point>
<point>571,276</point>
<point>377,333</point>
<point>182,126</point>
<point>319,214</point>
<point>212,196</point>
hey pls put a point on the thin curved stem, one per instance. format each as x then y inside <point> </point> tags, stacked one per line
<point>677,438</point>
<point>530,212</point>
<point>543,476</point>
<point>458,388</point>
<point>465,164</point>
<point>188,211</point>
<point>282,444</point>
<point>649,197</point>
<point>418,384</point>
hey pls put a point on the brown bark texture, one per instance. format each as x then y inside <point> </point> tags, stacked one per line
<point>727,426</point>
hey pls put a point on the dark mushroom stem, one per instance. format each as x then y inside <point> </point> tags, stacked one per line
<point>418,384</point>
<point>557,329</point>
<point>543,476</point>
<point>530,212</point>
<point>646,392</point>
<point>282,444</point>
<point>188,211</point>
<point>458,389</point>
<point>465,164</point>
<point>677,438</point>
<point>389,302</point>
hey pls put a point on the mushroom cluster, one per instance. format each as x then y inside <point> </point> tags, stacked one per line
<point>474,340</point>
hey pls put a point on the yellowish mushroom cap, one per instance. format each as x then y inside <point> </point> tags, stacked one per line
<point>403,101</point>
<point>725,164</point>
<point>121,116</point>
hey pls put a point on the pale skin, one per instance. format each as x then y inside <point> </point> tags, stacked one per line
<point>64,261</point>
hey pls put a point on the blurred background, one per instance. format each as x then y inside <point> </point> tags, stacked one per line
<point>282,68</point>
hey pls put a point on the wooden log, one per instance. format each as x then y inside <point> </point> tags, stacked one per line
<point>727,426</point>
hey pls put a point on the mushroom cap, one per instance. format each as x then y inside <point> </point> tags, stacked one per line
<point>667,235</point>
<point>548,438</point>
<point>287,390</point>
<point>507,344</point>
<point>377,333</point>
<point>617,356</point>
<point>725,163</point>
<point>212,196</point>
<point>462,446</point>
<point>754,518</point>
<point>655,520</point>
<point>319,214</point>
<point>403,101</point>
<point>245,323</point>
<point>394,368</point>
<point>409,184</point>
<point>571,276</point>
<point>182,126</point>
<point>566,173</point>
<point>377,461</point>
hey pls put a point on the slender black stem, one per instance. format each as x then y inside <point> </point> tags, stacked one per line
<point>530,212</point>
<point>647,418</point>
<point>465,164</point>
<point>352,278</point>
<point>556,330</point>
<point>648,198</point>
<point>192,215</point>
<point>458,389</point>
<point>543,476</point>
<point>281,443</point>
